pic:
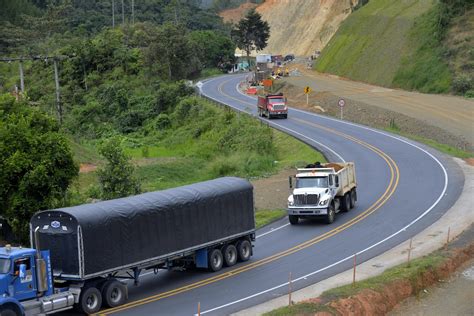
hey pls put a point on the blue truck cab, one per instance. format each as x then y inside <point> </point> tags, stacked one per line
<point>26,283</point>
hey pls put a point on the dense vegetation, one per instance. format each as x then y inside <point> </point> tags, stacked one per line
<point>404,45</point>
<point>126,105</point>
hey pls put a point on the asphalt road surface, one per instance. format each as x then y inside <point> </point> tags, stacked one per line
<point>403,187</point>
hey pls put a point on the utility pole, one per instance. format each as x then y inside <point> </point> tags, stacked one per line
<point>123,14</point>
<point>133,12</point>
<point>22,80</point>
<point>58,103</point>
<point>113,13</point>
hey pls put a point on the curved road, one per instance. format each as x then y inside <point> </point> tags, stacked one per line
<point>403,187</point>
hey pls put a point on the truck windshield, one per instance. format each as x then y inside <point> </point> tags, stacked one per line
<point>4,266</point>
<point>277,100</point>
<point>316,182</point>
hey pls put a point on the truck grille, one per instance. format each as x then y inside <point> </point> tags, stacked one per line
<point>306,199</point>
<point>278,107</point>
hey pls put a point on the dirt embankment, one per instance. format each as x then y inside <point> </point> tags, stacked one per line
<point>383,300</point>
<point>300,27</point>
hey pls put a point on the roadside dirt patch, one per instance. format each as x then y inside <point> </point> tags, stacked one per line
<point>359,112</point>
<point>384,300</point>
<point>272,193</point>
<point>87,167</point>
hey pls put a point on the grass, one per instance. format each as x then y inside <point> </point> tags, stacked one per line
<point>265,217</point>
<point>218,143</point>
<point>300,309</point>
<point>447,149</point>
<point>423,67</point>
<point>389,43</point>
<point>410,272</point>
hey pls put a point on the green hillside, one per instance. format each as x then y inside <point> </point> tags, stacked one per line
<point>394,44</point>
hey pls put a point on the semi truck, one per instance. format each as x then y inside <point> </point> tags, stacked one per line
<point>82,254</point>
<point>322,190</point>
<point>272,105</point>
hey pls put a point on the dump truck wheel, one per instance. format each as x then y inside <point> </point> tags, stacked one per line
<point>90,301</point>
<point>331,214</point>
<point>230,255</point>
<point>294,219</point>
<point>353,195</point>
<point>346,202</point>
<point>114,293</point>
<point>215,260</point>
<point>244,250</point>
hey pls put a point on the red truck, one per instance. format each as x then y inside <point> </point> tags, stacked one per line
<point>272,105</point>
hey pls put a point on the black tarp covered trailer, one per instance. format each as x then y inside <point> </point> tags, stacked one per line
<point>89,240</point>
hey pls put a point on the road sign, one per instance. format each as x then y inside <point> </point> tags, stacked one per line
<point>307,90</point>
<point>341,103</point>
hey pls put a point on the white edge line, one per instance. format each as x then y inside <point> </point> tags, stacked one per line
<point>370,247</point>
<point>273,230</point>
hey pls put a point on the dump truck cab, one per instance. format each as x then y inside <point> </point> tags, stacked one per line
<point>322,192</point>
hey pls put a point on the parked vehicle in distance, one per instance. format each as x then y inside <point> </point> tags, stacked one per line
<point>81,253</point>
<point>322,190</point>
<point>272,105</point>
<point>289,57</point>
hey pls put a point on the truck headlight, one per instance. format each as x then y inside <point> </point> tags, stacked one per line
<point>323,202</point>
<point>291,201</point>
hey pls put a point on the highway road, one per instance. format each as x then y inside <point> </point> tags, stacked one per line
<point>403,187</point>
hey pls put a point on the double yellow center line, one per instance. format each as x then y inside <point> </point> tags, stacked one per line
<point>393,183</point>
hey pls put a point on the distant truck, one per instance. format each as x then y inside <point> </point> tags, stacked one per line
<point>322,191</point>
<point>272,105</point>
<point>82,252</point>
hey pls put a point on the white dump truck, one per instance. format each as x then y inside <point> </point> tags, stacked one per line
<point>322,190</point>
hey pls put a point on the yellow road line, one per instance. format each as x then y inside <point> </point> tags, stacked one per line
<point>394,179</point>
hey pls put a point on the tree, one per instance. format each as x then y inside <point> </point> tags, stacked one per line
<point>169,53</point>
<point>36,164</point>
<point>116,178</point>
<point>212,48</point>
<point>251,33</point>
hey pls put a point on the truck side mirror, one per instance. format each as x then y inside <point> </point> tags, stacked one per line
<point>290,181</point>
<point>22,271</point>
<point>337,181</point>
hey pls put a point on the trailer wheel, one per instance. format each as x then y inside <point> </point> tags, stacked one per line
<point>230,255</point>
<point>215,260</point>
<point>90,301</point>
<point>331,214</point>
<point>294,219</point>
<point>346,202</point>
<point>353,195</point>
<point>114,293</point>
<point>244,250</point>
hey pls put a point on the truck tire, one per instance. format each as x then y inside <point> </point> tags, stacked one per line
<point>90,301</point>
<point>331,214</point>
<point>285,116</point>
<point>230,255</point>
<point>353,195</point>
<point>269,115</point>
<point>244,250</point>
<point>346,202</point>
<point>215,260</point>
<point>114,293</point>
<point>294,219</point>
<point>9,310</point>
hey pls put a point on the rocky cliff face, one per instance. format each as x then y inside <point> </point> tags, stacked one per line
<point>299,26</point>
<point>303,26</point>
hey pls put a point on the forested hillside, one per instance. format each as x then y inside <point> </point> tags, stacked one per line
<point>126,108</point>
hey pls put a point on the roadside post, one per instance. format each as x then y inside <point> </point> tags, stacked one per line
<point>199,86</point>
<point>341,104</point>
<point>307,90</point>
